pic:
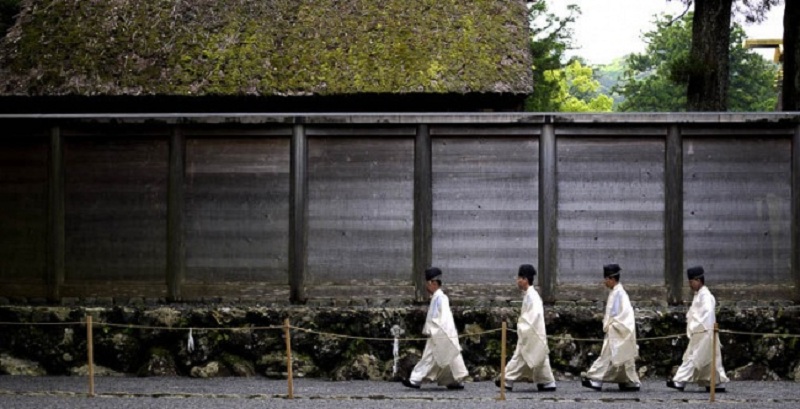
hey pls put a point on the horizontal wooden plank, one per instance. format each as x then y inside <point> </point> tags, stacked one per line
<point>360,214</point>
<point>737,214</point>
<point>485,209</point>
<point>23,208</point>
<point>610,209</point>
<point>237,210</point>
<point>115,209</point>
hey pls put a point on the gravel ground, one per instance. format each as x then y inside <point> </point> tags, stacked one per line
<point>129,392</point>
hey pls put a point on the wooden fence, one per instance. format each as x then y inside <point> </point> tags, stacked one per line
<point>298,207</point>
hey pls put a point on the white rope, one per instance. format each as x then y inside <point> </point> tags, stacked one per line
<point>190,342</point>
<point>396,332</point>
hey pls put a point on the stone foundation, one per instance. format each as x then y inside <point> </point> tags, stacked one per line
<point>151,340</point>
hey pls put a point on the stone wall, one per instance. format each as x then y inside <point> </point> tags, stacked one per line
<point>151,340</point>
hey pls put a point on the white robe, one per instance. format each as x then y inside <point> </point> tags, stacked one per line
<point>530,360</point>
<point>441,361</point>
<point>616,362</point>
<point>700,320</point>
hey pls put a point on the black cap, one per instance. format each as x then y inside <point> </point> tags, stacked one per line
<point>611,270</point>
<point>527,271</point>
<point>433,273</point>
<point>695,272</point>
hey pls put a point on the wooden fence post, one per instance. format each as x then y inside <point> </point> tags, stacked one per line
<point>55,216</point>
<point>673,215</point>
<point>298,211</point>
<point>795,203</point>
<point>423,210</point>
<point>548,213</point>
<point>176,250</point>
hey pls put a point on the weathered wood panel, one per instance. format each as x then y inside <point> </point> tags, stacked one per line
<point>360,215</point>
<point>23,207</point>
<point>116,208</point>
<point>237,209</point>
<point>485,208</point>
<point>611,208</point>
<point>737,211</point>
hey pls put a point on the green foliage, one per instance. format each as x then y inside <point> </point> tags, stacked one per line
<point>609,75</point>
<point>656,80</point>
<point>577,90</point>
<point>551,37</point>
<point>560,87</point>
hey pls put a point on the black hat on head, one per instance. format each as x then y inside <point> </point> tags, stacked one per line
<point>695,272</point>
<point>527,271</point>
<point>433,273</point>
<point>611,270</point>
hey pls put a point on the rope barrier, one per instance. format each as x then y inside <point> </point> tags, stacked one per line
<point>136,326</point>
<point>331,334</point>
<point>765,335</point>
<point>44,323</point>
<point>387,339</point>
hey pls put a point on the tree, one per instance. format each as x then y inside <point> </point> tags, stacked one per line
<point>790,95</point>
<point>551,37</point>
<point>656,80</point>
<point>560,86</point>
<point>577,90</point>
<point>707,67</point>
<point>708,59</point>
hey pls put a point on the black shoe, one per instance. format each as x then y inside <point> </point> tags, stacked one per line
<point>588,384</point>
<point>497,383</point>
<point>456,386</point>
<point>628,388</point>
<point>673,385</point>
<point>718,389</point>
<point>409,384</point>
<point>543,388</point>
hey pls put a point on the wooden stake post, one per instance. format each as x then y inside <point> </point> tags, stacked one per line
<point>713,385</point>
<point>90,354</point>
<point>503,362</point>
<point>288,337</point>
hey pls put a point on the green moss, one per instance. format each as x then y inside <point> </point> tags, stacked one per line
<point>268,48</point>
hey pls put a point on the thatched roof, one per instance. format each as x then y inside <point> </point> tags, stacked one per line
<point>266,48</point>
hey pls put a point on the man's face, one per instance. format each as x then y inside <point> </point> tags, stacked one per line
<point>695,283</point>
<point>431,286</point>
<point>609,282</point>
<point>522,283</point>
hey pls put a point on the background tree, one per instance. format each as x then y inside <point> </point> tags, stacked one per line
<point>790,94</point>
<point>707,67</point>
<point>656,81</point>
<point>551,37</point>
<point>577,90</point>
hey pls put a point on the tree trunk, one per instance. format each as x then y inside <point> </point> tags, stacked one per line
<point>708,74</point>
<point>790,94</point>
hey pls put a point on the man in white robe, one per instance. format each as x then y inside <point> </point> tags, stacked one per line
<point>441,361</point>
<point>530,361</point>
<point>700,320</point>
<point>616,363</point>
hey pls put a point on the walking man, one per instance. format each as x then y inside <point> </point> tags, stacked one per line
<point>441,361</point>
<point>530,361</point>
<point>700,320</point>
<point>617,358</point>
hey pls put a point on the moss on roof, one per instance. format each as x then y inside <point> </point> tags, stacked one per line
<point>257,47</point>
